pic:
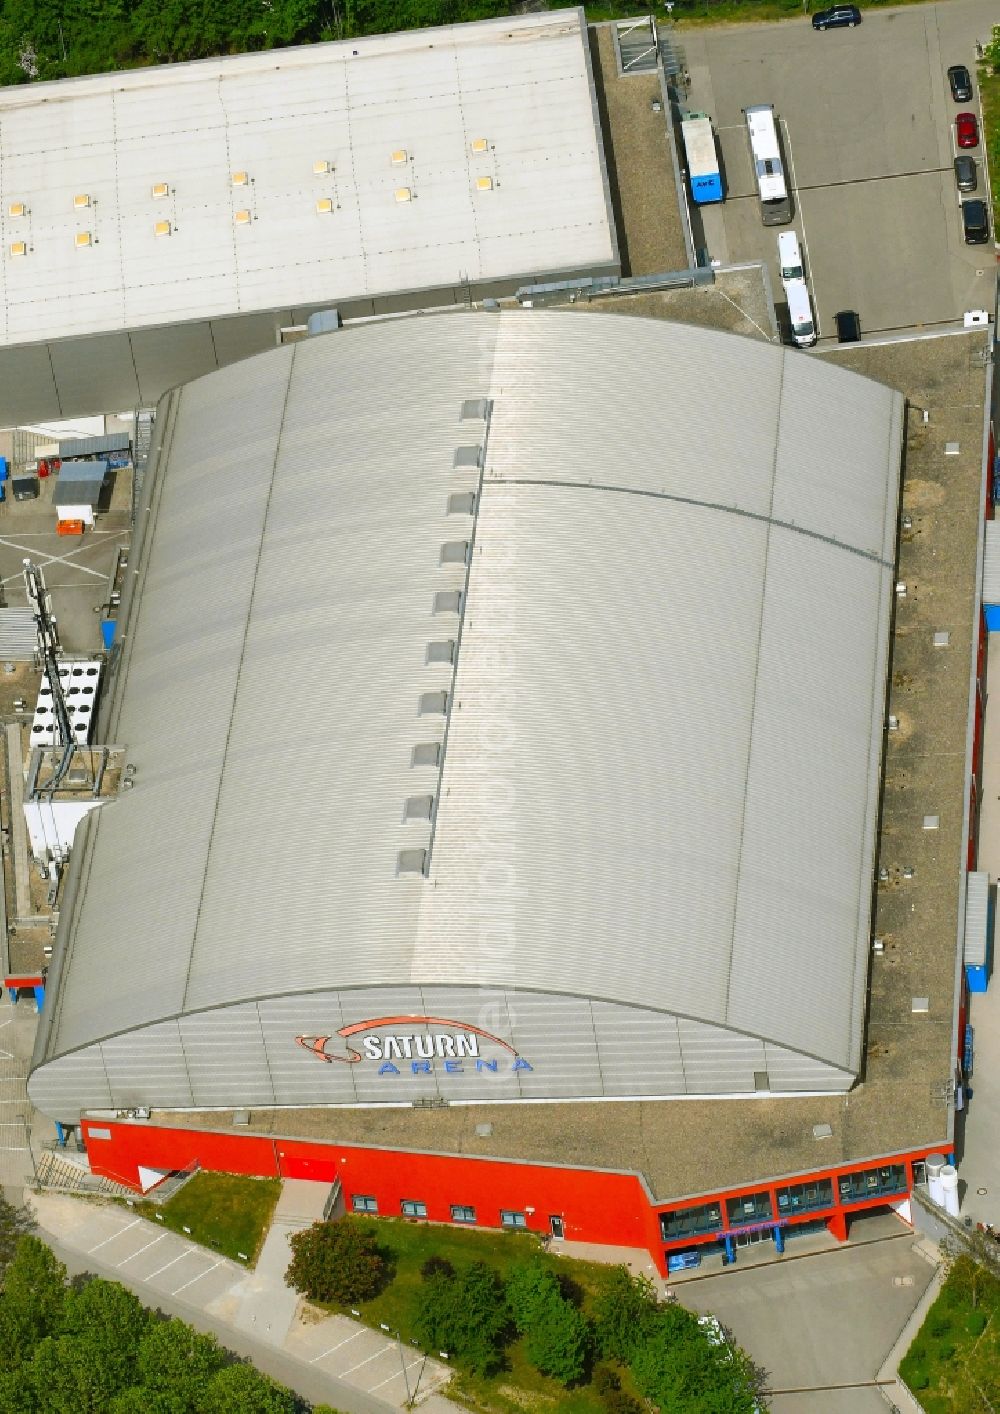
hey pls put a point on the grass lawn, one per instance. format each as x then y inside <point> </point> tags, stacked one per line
<point>520,1386</point>
<point>953,1365</point>
<point>989,91</point>
<point>225,1211</point>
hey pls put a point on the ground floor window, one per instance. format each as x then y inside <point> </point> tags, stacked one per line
<point>801,1197</point>
<point>462,1213</point>
<point>413,1208</point>
<point>749,1208</point>
<point>872,1183</point>
<point>510,1219</point>
<point>361,1204</point>
<point>687,1222</point>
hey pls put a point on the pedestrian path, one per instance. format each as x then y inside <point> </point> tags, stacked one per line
<point>177,1275</point>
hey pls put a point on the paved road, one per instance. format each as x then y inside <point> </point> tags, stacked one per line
<point>868,130</point>
<point>331,1358</point>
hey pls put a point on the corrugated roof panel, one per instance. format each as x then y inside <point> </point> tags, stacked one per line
<point>977,918</point>
<point>991,563</point>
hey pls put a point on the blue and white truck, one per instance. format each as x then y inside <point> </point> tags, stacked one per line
<point>702,158</point>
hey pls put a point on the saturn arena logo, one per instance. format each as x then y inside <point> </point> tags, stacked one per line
<point>458,1049</point>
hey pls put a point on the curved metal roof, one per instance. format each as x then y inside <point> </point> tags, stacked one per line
<point>662,744</point>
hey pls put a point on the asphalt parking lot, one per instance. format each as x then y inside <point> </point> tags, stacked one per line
<point>868,130</point>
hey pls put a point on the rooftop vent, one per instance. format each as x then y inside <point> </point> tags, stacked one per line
<point>241,179</point>
<point>162,228</point>
<point>822,1131</point>
<point>951,449</point>
<point>442,652</point>
<point>411,861</point>
<point>433,704</point>
<point>399,157</point>
<point>455,552</point>
<point>475,409</point>
<point>83,238</point>
<point>901,589</point>
<point>448,601</point>
<point>321,167</point>
<point>403,194</point>
<point>160,190</point>
<point>418,807</point>
<point>893,722</point>
<point>484,184</point>
<point>920,1005</point>
<point>427,753</point>
<point>324,206</point>
<point>81,201</point>
<point>242,218</point>
<point>484,1131</point>
<point>761,1080</point>
<point>463,503</point>
<point>18,248</point>
<point>16,209</point>
<point>932,822</point>
<point>467,458</point>
<point>942,638</point>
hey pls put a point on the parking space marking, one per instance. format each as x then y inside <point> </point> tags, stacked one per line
<point>179,1258</point>
<point>121,1231</point>
<point>362,1363</point>
<point>152,1243</point>
<point>177,1290</point>
<point>373,1388</point>
<point>346,1341</point>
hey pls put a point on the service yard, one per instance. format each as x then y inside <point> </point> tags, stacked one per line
<point>868,127</point>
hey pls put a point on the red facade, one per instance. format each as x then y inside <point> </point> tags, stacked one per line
<point>610,1209</point>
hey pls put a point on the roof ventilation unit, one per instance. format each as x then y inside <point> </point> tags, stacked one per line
<point>443,652</point>
<point>484,184</point>
<point>321,167</point>
<point>942,638</point>
<point>399,157</point>
<point>162,228</point>
<point>463,503</point>
<point>324,206</point>
<point>411,861</point>
<point>241,179</point>
<point>81,201</point>
<point>403,194</point>
<point>242,218</point>
<point>455,552</point>
<point>475,410</point>
<point>160,190</point>
<point>426,753</point>
<point>83,239</point>
<point>467,458</point>
<point>17,209</point>
<point>418,807</point>
<point>18,248</point>
<point>448,601</point>
<point>480,145</point>
<point>433,704</point>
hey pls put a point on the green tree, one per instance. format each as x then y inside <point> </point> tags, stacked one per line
<point>337,1261</point>
<point>530,1287</point>
<point>683,1372</point>
<point>15,1223</point>
<point>107,1323</point>
<point>32,1302</point>
<point>240,1389</point>
<point>466,1315</point>
<point>623,1312</point>
<point>558,1339</point>
<point>177,1362</point>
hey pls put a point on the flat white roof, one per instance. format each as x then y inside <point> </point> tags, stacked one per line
<point>319,174</point>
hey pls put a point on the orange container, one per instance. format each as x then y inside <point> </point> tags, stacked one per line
<point>69,527</point>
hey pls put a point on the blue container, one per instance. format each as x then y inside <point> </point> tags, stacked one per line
<point>4,473</point>
<point>108,629</point>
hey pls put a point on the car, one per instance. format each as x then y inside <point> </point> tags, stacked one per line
<point>848,326</point>
<point>965,173</point>
<point>967,130</point>
<point>837,17</point>
<point>975,222</point>
<point>961,84</point>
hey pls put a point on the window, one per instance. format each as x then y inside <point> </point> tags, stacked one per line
<point>413,1208</point>
<point>749,1209</point>
<point>803,1197</point>
<point>509,1219</point>
<point>462,1213</point>
<point>687,1222</point>
<point>872,1183</point>
<point>361,1204</point>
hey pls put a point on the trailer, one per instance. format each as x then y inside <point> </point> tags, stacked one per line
<point>704,175</point>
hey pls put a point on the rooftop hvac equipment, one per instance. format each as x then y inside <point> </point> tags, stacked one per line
<point>240,179</point>
<point>403,194</point>
<point>160,190</point>
<point>448,601</point>
<point>324,206</point>
<point>81,202</point>
<point>162,228</point>
<point>484,184</point>
<point>442,652</point>
<point>241,218</point>
<point>321,168</point>
<point>463,503</point>
<point>475,409</point>
<point>467,458</point>
<point>411,861</point>
<point>418,807</point>
<point>455,552</point>
<point>433,704</point>
<point>16,209</point>
<point>83,239</point>
<point>427,753</point>
<point>399,157</point>
<point>480,145</point>
<point>18,248</point>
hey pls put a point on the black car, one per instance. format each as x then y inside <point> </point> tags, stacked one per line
<point>975,222</point>
<point>965,173</point>
<point>839,17</point>
<point>848,326</point>
<point>961,83</point>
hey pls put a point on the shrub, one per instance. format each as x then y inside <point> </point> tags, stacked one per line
<point>435,1266</point>
<point>917,1377</point>
<point>616,1401</point>
<point>529,1288</point>
<point>976,1322</point>
<point>605,1379</point>
<point>946,1351</point>
<point>465,1314</point>
<point>336,1261</point>
<point>558,1339</point>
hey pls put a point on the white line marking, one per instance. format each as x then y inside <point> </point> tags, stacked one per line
<point>50,560</point>
<point>810,274</point>
<point>205,1273</point>
<point>373,1388</point>
<point>345,1341</point>
<point>135,1223</point>
<point>360,1363</point>
<point>169,1264</point>
<point>138,1253</point>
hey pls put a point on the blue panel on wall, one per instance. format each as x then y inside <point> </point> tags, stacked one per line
<point>991,613</point>
<point>108,628</point>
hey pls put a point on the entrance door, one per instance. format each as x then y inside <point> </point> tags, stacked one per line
<point>749,1239</point>
<point>557,1227</point>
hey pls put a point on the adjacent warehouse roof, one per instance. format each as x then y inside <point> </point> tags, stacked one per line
<point>632,579</point>
<point>275,180</point>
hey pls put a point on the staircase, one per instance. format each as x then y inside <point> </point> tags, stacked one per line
<point>61,1171</point>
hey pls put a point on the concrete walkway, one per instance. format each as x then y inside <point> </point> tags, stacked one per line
<point>324,1358</point>
<point>889,1371</point>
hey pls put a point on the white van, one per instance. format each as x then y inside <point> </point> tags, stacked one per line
<point>800,312</point>
<point>789,257</point>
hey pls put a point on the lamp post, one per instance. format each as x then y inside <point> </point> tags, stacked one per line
<point>402,1361</point>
